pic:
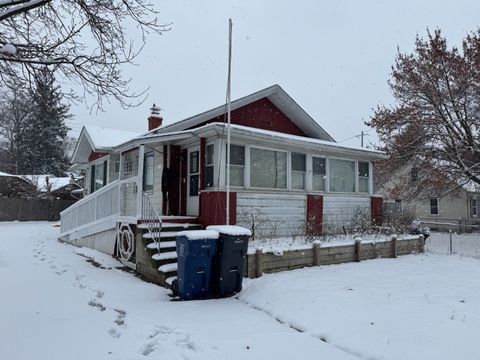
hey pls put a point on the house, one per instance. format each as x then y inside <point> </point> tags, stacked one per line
<point>13,186</point>
<point>442,205</point>
<point>288,177</point>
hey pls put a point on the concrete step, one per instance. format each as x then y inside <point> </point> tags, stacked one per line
<point>162,234</point>
<point>165,256</point>
<point>167,268</point>
<point>163,245</point>
<point>169,280</point>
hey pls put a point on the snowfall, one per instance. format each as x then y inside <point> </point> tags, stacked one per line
<point>62,302</point>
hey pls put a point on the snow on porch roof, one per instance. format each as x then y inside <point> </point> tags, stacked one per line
<point>249,132</point>
<point>276,95</point>
<point>99,139</point>
<point>107,138</point>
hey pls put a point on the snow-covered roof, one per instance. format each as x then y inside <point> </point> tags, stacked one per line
<point>246,131</point>
<point>6,174</point>
<point>107,138</point>
<point>276,95</point>
<point>98,139</point>
<point>40,181</point>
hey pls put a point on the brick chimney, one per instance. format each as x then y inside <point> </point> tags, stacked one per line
<point>154,120</point>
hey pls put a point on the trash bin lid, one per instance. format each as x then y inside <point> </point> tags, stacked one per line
<point>234,230</point>
<point>199,234</point>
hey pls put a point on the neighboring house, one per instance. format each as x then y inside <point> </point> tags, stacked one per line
<point>433,203</point>
<point>50,186</point>
<point>14,186</point>
<point>287,174</point>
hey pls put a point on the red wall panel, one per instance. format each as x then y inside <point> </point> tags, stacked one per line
<point>314,214</point>
<point>261,114</point>
<point>213,208</point>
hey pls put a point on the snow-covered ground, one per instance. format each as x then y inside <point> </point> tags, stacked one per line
<point>57,305</point>
<point>462,244</point>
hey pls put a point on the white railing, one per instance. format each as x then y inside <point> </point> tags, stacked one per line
<point>152,220</point>
<point>96,206</point>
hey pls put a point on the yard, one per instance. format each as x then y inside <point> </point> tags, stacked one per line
<point>62,302</point>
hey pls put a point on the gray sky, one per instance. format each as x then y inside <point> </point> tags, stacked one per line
<point>332,57</point>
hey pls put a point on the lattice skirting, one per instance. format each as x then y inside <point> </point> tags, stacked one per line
<point>103,241</point>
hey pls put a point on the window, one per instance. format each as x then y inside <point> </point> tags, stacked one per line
<point>148,172</point>
<point>98,176</point>
<point>363,175</point>
<point>319,173</point>
<point>194,173</point>
<point>298,171</point>
<point>342,175</point>
<point>237,165</point>
<point>433,206</point>
<point>209,166</point>
<point>268,168</point>
<point>474,206</point>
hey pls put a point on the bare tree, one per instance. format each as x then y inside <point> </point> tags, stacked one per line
<point>84,42</point>
<point>435,122</point>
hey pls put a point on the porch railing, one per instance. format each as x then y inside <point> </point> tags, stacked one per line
<point>101,204</point>
<point>152,220</point>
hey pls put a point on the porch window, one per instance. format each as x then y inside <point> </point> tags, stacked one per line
<point>319,173</point>
<point>268,168</point>
<point>237,165</point>
<point>433,206</point>
<point>98,178</point>
<point>194,173</point>
<point>148,172</point>
<point>298,171</point>
<point>363,175</point>
<point>130,164</point>
<point>474,205</point>
<point>209,166</point>
<point>342,175</point>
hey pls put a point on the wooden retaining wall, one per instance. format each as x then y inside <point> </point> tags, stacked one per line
<point>260,262</point>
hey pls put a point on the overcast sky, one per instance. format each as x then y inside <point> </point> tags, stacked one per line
<point>332,57</point>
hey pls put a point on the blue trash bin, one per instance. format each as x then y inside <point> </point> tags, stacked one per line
<point>196,250</point>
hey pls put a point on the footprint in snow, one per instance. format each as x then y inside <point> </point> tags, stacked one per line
<point>120,320</point>
<point>114,333</point>
<point>97,304</point>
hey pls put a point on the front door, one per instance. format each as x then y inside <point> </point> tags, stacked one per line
<point>193,181</point>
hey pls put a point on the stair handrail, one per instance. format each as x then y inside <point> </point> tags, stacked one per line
<point>152,220</point>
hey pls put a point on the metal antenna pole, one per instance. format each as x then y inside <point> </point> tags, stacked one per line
<point>228,118</point>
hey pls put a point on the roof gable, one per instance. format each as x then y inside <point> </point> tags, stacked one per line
<point>269,109</point>
<point>98,139</point>
<point>261,114</point>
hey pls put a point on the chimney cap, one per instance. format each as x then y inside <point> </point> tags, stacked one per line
<point>155,110</point>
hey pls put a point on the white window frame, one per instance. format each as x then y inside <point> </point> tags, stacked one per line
<point>290,171</point>
<point>212,143</point>
<point>355,175</point>
<point>326,183</point>
<point>472,200</point>
<point>94,163</point>
<point>244,165</point>
<point>148,154</point>
<point>430,206</point>
<point>358,177</point>
<point>287,188</point>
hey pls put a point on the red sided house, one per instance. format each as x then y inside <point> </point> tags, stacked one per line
<point>288,177</point>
